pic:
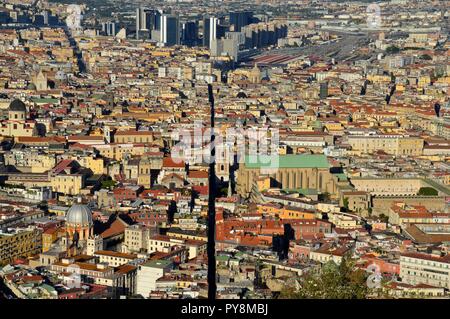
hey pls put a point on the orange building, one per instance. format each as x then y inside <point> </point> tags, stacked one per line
<point>284,212</point>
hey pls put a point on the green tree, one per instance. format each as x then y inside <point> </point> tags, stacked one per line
<point>427,191</point>
<point>345,202</point>
<point>392,49</point>
<point>333,281</point>
<point>108,184</point>
<point>325,196</point>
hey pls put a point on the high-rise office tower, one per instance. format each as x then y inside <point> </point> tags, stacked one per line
<point>170,30</point>
<point>147,20</point>
<point>189,33</point>
<point>109,28</point>
<point>209,30</point>
<point>240,19</point>
<point>212,30</point>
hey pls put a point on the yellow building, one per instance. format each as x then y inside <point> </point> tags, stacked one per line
<point>132,136</point>
<point>17,123</point>
<point>375,78</point>
<point>21,242</point>
<point>48,238</point>
<point>263,183</point>
<point>70,184</point>
<point>118,151</point>
<point>284,212</point>
<point>144,172</point>
<point>94,164</point>
<point>174,233</point>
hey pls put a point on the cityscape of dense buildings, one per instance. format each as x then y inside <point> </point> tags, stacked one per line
<point>104,178</point>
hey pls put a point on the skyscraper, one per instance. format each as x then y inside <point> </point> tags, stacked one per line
<point>109,28</point>
<point>147,20</point>
<point>209,30</point>
<point>240,19</point>
<point>212,30</point>
<point>170,30</point>
<point>189,33</point>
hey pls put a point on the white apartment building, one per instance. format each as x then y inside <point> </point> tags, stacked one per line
<point>418,268</point>
<point>148,273</point>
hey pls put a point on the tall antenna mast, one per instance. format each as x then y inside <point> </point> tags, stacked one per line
<point>211,248</point>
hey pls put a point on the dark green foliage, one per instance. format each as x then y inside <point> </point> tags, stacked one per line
<point>427,191</point>
<point>108,184</point>
<point>333,281</point>
<point>392,49</point>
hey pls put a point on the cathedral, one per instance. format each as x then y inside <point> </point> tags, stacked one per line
<point>80,236</point>
<point>17,123</point>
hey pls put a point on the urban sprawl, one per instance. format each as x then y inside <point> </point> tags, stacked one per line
<point>349,199</point>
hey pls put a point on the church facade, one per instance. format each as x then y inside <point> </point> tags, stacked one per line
<point>292,171</point>
<point>17,124</point>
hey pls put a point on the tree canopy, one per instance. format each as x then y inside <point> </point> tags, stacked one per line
<point>333,281</point>
<point>392,49</point>
<point>427,191</point>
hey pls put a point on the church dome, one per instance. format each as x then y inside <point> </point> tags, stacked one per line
<point>17,106</point>
<point>79,215</point>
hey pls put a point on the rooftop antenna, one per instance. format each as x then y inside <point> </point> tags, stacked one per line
<point>211,247</point>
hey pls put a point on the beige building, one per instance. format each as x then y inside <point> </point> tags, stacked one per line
<point>357,202</point>
<point>30,161</point>
<point>390,144</point>
<point>343,220</point>
<point>113,258</point>
<point>164,244</point>
<point>146,164</point>
<point>387,186</point>
<point>136,239</point>
<point>328,253</point>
